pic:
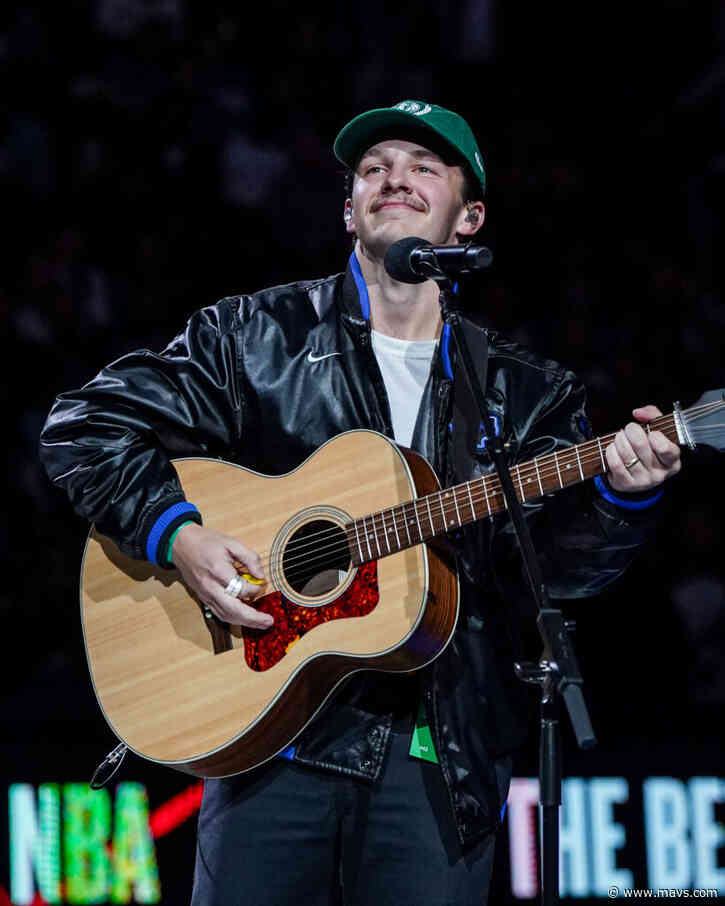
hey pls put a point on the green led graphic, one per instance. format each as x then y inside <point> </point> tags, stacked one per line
<point>134,859</point>
<point>103,859</point>
<point>47,856</point>
<point>87,827</point>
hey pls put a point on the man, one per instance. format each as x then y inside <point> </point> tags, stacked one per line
<point>263,380</point>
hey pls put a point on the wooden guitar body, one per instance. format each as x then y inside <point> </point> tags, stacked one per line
<point>182,689</point>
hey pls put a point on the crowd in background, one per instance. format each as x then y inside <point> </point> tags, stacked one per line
<point>156,156</point>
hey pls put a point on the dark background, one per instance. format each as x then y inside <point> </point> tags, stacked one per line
<point>156,156</point>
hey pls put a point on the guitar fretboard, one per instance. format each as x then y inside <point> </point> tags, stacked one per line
<point>390,531</point>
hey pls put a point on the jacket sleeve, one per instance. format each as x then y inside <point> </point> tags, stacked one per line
<point>109,444</point>
<point>587,534</point>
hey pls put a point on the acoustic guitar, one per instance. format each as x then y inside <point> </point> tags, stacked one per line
<point>354,581</point>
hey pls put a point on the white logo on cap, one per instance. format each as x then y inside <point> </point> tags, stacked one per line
<point>415,107</point>
<point>478,160</point>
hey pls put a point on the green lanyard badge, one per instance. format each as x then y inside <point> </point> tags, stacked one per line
<point>421,743</point>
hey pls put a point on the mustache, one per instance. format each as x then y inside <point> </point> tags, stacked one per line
<point>381,202</point>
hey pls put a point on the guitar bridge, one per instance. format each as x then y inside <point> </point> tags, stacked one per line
<point>218,630</point>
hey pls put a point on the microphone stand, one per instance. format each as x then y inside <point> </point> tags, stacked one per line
<point>557,673</point>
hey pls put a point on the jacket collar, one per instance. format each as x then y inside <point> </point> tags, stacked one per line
<point>355,304</point>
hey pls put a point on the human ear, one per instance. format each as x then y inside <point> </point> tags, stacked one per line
<point>472,218</point>
<point>347,216</point>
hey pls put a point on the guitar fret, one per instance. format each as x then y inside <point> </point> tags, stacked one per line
<point>385,532</point>
<point>405,523</point>
<point>430,517</point>
<point>455,504</point>
<point>375,535</point>
<point>470,497</point>
<point>485,494</point>
<point>568,469</point>
<point>538,476</point>
<point>367,539</point>
<point>357,538</point>
<point>601,455</point>
<point>395,528</point>
<point>417,519</point>
<point>567,465</point>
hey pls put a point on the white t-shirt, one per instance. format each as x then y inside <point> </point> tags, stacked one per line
<point>405,366</point>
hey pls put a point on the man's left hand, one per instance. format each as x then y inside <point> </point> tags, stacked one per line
<point>640,460</point>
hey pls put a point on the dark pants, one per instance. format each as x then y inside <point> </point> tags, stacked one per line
<point>287,834</point>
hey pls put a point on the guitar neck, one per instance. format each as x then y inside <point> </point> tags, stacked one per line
<point>406,525</point>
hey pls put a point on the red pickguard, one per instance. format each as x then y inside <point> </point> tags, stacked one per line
<point>263,648</point>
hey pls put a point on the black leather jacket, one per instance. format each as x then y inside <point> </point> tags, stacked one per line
<point>262,381</point>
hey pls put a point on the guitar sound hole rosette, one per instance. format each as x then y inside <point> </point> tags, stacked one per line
<point>311,562</point>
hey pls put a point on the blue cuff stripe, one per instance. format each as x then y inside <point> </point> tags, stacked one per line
<point>362,288</point>
<point>162,523</point>
<point>622,501</point>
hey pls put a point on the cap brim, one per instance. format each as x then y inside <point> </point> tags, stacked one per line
<point>363,132</point>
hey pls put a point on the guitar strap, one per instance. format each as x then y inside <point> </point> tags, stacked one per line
<point>466,429</point>
<point>466,426</point>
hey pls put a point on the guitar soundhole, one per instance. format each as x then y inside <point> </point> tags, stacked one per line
<point>315,556</point>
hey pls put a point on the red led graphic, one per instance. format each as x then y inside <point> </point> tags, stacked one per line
<point>263,648</point>
<point>5,899</point>
<point>171,814</point>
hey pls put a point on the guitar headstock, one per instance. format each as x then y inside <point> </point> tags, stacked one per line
<point>703,423</point>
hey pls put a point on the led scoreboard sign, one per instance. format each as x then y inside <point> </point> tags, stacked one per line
<point>108,855</point>
<point>683,839</point>
<point>70,844</point>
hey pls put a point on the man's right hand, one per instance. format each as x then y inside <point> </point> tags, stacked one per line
<point>205,559</point>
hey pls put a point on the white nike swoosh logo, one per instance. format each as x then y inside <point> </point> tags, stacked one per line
<point>319,358</point>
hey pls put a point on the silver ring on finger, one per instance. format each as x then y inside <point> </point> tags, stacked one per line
<point>632,463</point>
<point>234,587</point>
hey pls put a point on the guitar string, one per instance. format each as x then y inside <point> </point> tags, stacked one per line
<point>529,469</point>
<point>524,471</point>
<point>479,495</point>
<point>447,508</point>
<point>589,451</point>
<point>438,505</point>
<point>324,553</point>
<point>704,409</point>
<point>326,557</point>
<point>544,470</point>
<point>312,541</point>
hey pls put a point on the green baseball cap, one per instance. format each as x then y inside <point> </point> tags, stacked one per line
<point>415,117</point>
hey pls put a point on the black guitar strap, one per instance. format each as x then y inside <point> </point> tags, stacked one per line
<point>467,429</point>
<point>468,445</point>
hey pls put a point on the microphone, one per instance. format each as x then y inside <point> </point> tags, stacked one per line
<point>414,260</point>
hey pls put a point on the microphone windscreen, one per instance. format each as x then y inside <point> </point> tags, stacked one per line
<point>397,260</point>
